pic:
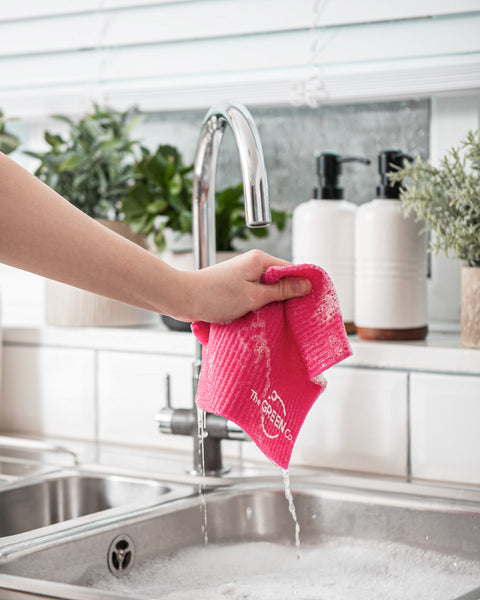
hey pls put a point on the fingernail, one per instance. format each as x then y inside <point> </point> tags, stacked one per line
<point>303,286</point>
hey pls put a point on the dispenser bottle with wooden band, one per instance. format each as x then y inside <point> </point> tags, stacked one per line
<point>391,264</point>
<point>324,229</point>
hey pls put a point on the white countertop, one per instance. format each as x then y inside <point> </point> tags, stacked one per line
<point>441,352</point>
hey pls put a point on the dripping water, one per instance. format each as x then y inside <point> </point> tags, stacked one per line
<point>202,433</point>
<point>291,508</point>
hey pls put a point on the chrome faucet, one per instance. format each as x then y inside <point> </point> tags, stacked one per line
<point>207,457</point>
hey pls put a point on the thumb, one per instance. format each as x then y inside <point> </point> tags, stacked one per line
<point>288,287</point>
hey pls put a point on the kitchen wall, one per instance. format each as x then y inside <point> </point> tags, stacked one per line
<point>324,76</point>
<point>351,77</point>
<point>291,136</point>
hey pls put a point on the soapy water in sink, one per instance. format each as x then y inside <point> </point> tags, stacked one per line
<point>334,569</point>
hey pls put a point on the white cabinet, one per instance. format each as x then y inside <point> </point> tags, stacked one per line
<point>131,390</point>
<point>359,423</point>
<point>445,420</point>
<point>48,391</point>
<point>408,410</point>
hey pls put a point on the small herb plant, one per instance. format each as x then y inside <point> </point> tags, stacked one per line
<point>161,198</point>
<point>8,141</point>
<point>92,165</point>
<point>447,198</point>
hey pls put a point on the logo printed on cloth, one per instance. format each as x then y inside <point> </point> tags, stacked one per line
<point>273,415</point>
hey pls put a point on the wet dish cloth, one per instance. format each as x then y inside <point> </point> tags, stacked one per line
<point>264,370</point>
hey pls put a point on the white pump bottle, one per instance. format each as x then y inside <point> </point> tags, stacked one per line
<point>391,264</point>
<point>323,231</point>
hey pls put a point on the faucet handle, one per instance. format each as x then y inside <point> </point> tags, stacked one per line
<point>168,398</point>
<point>164,416</point>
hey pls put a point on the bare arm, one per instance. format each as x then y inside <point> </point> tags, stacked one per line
<point>43,233</point>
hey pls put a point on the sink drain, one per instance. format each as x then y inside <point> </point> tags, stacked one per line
<point>121,555</point>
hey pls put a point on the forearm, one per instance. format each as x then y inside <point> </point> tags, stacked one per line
<point>43,233</point>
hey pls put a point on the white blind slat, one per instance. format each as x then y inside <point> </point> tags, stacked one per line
<point>252,53</point>
<point>331,12</point>
<point>199,20</point>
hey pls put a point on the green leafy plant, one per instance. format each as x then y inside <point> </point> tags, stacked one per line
<point>160,196</point>
<point>230,219</point>
<point>161,199</point>
<point>447,198</point>
<point>92,165</point>
<point>8,141</point>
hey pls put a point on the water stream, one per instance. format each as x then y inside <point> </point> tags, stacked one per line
<point>202,433</point>
<point>291,509</point>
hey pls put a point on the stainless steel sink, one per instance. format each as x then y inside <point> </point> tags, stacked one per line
<point>86,563</point>
<point>59,497</point>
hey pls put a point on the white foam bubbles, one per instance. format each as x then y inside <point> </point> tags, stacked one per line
<point>335,569</point>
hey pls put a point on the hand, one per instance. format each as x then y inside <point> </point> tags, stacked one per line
<point>230,289</point>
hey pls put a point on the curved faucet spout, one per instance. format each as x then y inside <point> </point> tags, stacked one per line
<point>255,186</point>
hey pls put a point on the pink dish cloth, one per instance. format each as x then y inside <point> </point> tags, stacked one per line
<point>264,370</point>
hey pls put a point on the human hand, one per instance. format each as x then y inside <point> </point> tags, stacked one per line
<point>230,289</point>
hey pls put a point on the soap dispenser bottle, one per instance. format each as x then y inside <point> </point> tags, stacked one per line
<point>323,230</point>
<point>391,264</point>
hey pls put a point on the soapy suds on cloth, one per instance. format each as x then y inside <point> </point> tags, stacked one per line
<point>335,569</point>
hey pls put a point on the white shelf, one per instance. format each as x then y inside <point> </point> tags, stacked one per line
<point>441,352</point>
<point>157,340</point>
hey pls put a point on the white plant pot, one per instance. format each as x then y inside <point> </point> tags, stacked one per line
<point>67,306</point>
<point>470,319</point>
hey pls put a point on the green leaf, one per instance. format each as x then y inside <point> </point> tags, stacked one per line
<point>71,162</point>
<point>8,143</point>
<point>157,207</point>
<point>53,140</point>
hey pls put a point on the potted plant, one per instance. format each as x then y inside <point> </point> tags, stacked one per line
<point>8,141</point>
<point>91,166</point>
<point>447,198</point>
<point>159,203</point>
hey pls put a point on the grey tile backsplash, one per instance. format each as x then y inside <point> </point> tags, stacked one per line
<point>291,136</point>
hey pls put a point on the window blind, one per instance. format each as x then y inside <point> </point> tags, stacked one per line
<point>58,55</point>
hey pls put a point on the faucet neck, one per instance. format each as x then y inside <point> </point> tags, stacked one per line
<point>257,209</point>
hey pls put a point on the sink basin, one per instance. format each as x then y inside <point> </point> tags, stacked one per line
<point>57,498</point>
<point>190,543</point>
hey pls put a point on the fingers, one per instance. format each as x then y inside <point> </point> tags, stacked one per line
<point>257,262</point>
<point>286,288</point>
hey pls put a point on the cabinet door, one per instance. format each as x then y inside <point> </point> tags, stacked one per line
<point>359,423</point>
<point>48,391</point>
<point>445,417</point>
<point>131,390</point>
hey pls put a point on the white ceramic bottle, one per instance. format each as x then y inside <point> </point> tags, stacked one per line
<point>323,231</point>
<point>391,264</point>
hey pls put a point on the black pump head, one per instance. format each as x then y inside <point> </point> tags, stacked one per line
<point>388,160</point>
<point>329,168</point>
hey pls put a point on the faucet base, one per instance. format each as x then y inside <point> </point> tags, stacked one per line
<point>208,457</point>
